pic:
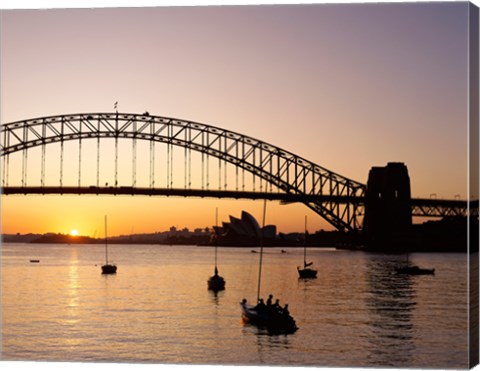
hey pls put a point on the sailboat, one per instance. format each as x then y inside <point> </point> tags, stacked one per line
<point>306,271</point>
<point>107,268</point>
<point>275,319</point>
<point>414,270</point>
<point>216,282</point>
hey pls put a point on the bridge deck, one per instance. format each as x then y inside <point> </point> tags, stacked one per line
<point>93,190</point>
<point>286,197</point>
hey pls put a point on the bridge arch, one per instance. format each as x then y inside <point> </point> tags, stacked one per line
<point>332,196</point>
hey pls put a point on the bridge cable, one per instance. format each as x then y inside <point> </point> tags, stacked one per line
<point>253,173</point>
<point>171,164</point>
<point>208,171</point>
<point>243,169</point>
<point>203,170</point>
<point>116,149</point>
<point>185,164</point>
<point>152,163</point>
<point>98,161</point>
<point>168,162</point>
<point>134,162</point>
<point>271,172</point>
<point>116,161</point>
<point>79,161</point>
<point>42,174</point>
<point>219,170</point>
<point>189,168</point>
<point>185,160</point>
<point>261,167</point>
<point>168,155</point>
<point>98,153</point>
<point>203,160</point>
<point>24,167</point>
<point>225,163</point>
<point>5,169</point>
<point>236,167</point>
<point>4,161</point>
<point>61,163</point>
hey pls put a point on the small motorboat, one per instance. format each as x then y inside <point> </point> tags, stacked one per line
<point>109,269</point>
<point>273,320</point>
<point>34,261</point>
<point>414,270</point>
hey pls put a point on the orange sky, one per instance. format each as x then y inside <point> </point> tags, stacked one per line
<point>345,86</point>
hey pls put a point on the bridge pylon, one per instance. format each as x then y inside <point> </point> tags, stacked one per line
<point>388,210</point>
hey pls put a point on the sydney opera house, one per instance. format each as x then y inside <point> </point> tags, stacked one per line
<point>244,232</point>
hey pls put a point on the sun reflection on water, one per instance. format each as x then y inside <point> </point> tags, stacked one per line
<point>73,285</point>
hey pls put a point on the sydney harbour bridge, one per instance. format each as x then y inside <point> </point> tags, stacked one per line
<point>142,154</point>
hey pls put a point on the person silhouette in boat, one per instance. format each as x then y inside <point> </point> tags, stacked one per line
<point>287,318</point>
<point>269,300</point>
<point>277,306</point>
<point>260,306</point>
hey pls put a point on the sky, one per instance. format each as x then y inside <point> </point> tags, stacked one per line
<point>346,86</point>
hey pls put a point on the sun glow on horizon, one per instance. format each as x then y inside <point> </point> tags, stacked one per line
<point>73,233</point>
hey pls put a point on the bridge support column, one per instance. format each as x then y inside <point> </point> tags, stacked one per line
<point>388,214</point>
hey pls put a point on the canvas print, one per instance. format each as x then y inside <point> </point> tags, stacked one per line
<point>268,185</point>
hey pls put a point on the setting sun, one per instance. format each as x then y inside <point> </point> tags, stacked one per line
<point>73,232</point>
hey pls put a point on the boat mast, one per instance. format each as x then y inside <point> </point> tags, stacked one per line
<point>216,224</point>
<point>106,246</point>
<point>261,249</point>
<point>305,245</point>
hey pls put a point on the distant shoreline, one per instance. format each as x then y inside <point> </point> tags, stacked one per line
<point>446,235</point>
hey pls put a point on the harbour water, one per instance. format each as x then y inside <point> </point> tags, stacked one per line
<point>157,308</point>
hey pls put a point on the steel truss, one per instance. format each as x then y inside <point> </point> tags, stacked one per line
<point>444,208</point>
<point>282,169</point>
